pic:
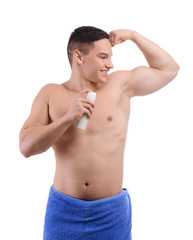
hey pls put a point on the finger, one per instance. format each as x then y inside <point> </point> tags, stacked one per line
<point>87,101</point>
<point>112,36</point>
<point>82,93</point>
<point>113,44</point>
<point>87,112</point>
<point>88,107</point>
<point>117,40</point>
<point>112,40</point>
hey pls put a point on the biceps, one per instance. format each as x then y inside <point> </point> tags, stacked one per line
<point>39,115</point>
<point>146,80</point>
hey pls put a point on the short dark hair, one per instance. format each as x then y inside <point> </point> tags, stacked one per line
<point>82,39</point>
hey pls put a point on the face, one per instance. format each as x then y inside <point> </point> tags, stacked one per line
<point>96,65</point>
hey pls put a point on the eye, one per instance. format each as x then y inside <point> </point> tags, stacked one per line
<point>103,57</point>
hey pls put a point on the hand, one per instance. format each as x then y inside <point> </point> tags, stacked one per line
<point>120,36</point>
<point>80,106</point>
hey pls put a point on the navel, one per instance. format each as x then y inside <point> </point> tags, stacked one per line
<point>86,184</point>
<point>109,118</point>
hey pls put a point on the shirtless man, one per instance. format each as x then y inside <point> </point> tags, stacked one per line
<point>89,163</point>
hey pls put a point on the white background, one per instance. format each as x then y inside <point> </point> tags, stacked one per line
<point>158,153</point>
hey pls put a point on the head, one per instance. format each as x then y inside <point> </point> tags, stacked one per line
<point>83,39</point>
<point>85,47</point>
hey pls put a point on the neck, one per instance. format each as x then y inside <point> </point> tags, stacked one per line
<point>77,83</point>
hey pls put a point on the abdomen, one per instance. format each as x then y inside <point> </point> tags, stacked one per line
<point>91,168</point>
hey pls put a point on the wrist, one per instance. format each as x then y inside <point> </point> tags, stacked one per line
<point>133,35</point>
<point>68,119</point>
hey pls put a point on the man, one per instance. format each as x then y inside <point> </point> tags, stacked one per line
<point>87,200</point>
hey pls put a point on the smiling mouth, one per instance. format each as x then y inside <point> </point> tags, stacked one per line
<point>105,72</point>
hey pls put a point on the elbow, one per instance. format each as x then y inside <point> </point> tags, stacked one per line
<point>25,153</point>
<point>176,69</point>
<point>24,150</point>
<point>29,150</point>
<point>24,145</point>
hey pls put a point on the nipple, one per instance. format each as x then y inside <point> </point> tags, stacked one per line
<point>109,118</point>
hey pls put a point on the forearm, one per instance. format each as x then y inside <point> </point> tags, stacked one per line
<point>37,139</point>
<point>156,57</point>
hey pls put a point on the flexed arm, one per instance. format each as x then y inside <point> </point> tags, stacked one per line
<point>162,67</point>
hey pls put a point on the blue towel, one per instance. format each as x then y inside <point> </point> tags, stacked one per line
<point>104,219</point>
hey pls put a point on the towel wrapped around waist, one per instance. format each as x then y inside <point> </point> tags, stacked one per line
<point>104,219</point>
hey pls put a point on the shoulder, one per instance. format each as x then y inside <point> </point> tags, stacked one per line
<point>46,92</point>
<point>49,89</point>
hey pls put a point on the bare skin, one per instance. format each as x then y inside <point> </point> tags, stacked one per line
<point>89,163</point>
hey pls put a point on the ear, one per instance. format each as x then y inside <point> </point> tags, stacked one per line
<point>77,55</point>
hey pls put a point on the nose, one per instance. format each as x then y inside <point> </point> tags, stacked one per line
<point>109,64</point>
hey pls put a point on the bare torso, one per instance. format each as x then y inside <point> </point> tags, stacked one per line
<point>89,163</point>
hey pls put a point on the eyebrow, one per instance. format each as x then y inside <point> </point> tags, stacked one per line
<point>106,54</point>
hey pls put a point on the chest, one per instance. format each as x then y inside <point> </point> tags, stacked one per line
<point>110,114</point>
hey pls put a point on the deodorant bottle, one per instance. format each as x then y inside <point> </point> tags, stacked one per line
<point>81,124</point>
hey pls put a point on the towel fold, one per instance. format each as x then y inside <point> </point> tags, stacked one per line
<point>70,218</point>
